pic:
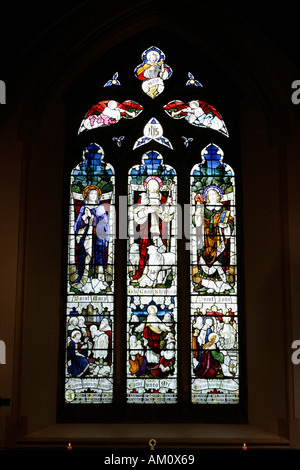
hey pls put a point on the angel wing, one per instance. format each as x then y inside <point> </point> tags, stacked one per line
<point>197,113</point>
<point>108,112</point>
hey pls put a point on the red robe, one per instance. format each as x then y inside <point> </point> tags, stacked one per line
<point>152,338</point>
<point>145,239</point>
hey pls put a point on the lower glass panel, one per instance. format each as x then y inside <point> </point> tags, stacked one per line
<point>89,354</point>
<point>152,349</point>
<point>215,361</point>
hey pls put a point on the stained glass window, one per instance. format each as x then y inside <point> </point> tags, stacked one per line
<point>90,301</point>
<point>152,282</point>
<point>152,311</point>
<point>214,315</point>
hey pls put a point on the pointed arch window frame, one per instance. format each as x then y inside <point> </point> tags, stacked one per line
<point>192,83</point>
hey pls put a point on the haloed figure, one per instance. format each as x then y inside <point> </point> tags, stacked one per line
<point>152,214</point>
<point>153,72</point>
<point>92,236</point>
<point>215,226</point>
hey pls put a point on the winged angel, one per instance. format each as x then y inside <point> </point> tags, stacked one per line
<point>108,112</point>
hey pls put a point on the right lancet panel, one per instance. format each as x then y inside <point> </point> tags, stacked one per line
<point>213,274</point>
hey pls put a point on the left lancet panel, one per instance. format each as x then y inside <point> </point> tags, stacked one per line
<point>90,291</point>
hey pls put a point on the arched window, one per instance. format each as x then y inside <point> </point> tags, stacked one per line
<point>213,252</point>
<point>90,296</point>
<point>152,295</point>
<point>152,281</point>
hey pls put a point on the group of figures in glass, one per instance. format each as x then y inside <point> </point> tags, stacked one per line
<point>152,267</point>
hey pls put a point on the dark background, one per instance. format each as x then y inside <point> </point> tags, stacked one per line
<point>22,23</point>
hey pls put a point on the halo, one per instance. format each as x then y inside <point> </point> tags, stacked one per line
<point>89,188</point>
<point>158,52</point>
<point>152,309</point>
<point>215,188</point>
<point>152,177</point>
<point>75,333</point>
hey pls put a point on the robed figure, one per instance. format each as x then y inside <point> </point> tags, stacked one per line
<point>214,225</point>
<point>92,237</point>
<point>152,215</point>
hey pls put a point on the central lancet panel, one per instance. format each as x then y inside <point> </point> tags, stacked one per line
<point>152,282</point>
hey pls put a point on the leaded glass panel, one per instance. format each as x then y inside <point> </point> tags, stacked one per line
<point>214,311</point>
<point>152,282</point>
<point>90,301</point>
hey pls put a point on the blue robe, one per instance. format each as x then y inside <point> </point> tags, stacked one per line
<point>100,238</point>
<point>79,364</point>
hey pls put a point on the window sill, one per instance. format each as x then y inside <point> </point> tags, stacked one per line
<point>187,436</point>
